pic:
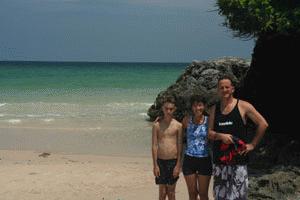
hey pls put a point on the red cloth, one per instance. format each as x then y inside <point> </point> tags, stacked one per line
<point>230,151</point>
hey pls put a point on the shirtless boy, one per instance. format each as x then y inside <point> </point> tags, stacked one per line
<point>166,150</point>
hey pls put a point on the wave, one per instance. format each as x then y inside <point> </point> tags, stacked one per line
<point>14,121</point>
<point>64,104</point>
<point>95,128</point>
<point>39,116</point>
<point>42,110</point>
<point>48,120</point>
<point>143,114</point>
<point>131,104</point>
<point>33,116</point>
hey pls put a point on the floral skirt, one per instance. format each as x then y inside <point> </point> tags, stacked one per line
<point>230,182</point>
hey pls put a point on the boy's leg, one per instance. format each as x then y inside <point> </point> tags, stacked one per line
<point>191,183</point>
<point>162,192</point>
<point>171,191</point>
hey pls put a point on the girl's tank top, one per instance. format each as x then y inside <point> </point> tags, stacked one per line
<point>196,134</point>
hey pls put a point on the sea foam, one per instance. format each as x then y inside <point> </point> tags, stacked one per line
<point>14,121</point>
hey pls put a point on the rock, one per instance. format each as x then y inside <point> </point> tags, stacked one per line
<point>280,183</point>
<point>44,155</point>
<point>200,77</point>
<point>271,83</point>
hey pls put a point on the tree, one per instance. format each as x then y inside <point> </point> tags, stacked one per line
<point>253,18</point>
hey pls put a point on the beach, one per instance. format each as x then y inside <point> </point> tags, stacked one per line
<point>91,119</point>
<point>32,175</point>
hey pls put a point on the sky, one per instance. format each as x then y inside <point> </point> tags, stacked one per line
<point>116,31</point>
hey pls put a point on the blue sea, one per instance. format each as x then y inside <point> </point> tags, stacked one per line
<point>80,107</point>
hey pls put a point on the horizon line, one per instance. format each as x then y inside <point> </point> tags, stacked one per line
<point>52,61</point>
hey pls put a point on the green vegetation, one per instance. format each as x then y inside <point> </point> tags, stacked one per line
<point>253,18</point>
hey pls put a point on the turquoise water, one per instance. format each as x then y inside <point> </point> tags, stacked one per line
<point>106,103</point>
<point>38,81</point>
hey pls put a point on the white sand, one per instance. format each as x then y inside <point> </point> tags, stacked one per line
<point>27,176</point>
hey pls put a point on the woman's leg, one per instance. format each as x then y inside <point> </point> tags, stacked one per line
<point>191,183</point>
<point>203,185</point>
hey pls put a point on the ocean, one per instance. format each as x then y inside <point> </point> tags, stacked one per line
<point>80,107</point>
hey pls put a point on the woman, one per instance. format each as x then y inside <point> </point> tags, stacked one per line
<point>197,166</point>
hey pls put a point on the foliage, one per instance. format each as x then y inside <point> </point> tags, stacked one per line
<point>252,18</point>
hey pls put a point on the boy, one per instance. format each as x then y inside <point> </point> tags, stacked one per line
<point>166,150</point>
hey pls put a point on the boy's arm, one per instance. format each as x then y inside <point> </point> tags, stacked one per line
<point>155,148</point>
<point>179,145</point>
<point>176,170</point>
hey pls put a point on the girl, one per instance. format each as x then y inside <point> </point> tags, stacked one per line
<point>197,165</point>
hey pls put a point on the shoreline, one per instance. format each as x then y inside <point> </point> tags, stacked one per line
<point>76,141</point>
<point>37,175</point>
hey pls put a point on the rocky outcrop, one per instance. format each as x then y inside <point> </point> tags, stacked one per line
<point>274,169</point>
<point>200,77</point>
<point>280,182</point>
<point>272,81</point>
